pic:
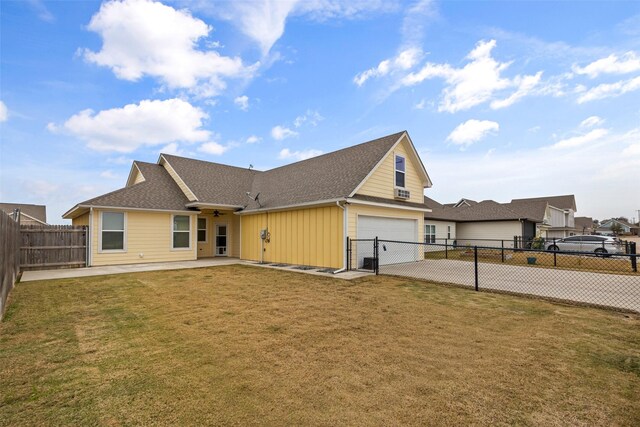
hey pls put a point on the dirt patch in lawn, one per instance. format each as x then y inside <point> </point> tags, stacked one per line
<point>244,345</point>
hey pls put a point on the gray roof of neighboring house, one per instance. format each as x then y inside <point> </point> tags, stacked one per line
<point>584,222</point>
<point>529,208</point>
<point>621,221</point>
<point>486,210</point>
<point>157,191</point>
<point>38,212</point>
<point>567,201</point>
<point>329,176</point>
<point>432,204</point>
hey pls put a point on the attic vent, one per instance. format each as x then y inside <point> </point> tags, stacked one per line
<point>402,194</point>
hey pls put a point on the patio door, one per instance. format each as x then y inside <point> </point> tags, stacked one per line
<point>221,239</point>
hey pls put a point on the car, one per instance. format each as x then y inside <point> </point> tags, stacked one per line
<point>600,245</point>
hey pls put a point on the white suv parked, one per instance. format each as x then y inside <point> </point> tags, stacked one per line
<point>600,245</point>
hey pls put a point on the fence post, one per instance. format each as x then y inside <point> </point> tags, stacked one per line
<point>475,262</point>
<point>348,254</point>
<point>446,248</point>
<point>633,256</point>
<point>502,244</point>
<point>554,258</point>
<point>376,255</point>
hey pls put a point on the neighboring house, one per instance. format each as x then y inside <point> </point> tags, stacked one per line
<point>29,214</point>
<point>302,213</point>
<point>481,223</point>
<point>585,225</point>
<point>472,222</point>
<point>625,226</point>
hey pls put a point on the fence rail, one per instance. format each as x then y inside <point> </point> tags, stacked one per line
<point>607,280</point>
<point>9,257</point>
<point>53,246</point>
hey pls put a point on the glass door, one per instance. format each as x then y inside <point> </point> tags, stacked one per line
<point>221,240</point>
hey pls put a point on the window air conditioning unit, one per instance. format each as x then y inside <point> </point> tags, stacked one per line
<point>402,194</point>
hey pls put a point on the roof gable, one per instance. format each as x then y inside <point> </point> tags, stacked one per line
<point>37,212</point>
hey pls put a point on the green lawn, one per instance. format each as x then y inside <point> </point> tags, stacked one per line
<point>240,345</point>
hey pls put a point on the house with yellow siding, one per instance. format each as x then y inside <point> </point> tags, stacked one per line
<point>301,214</point>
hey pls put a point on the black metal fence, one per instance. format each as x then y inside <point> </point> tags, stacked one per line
<point>520,242</point>
<point>607,280</point>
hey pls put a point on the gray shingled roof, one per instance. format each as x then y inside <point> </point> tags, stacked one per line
<point>157,191</point>
<point>487,210</point>
<point>214,182</point>
<point>329,176</point>
<point>584,222</point>
<point>35,211</point>
<point>567,201</point>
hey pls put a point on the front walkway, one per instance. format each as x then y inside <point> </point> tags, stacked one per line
<point>68,273</point>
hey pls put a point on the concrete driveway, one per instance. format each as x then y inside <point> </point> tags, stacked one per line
<point>611,290</point>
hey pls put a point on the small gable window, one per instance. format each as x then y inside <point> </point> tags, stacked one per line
<point>112,233</point>
<point>400,171</point>
<point>202,230</point>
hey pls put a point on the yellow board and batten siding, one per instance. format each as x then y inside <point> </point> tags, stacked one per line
<point>148,233</point>
<point>382,182</point>
<point>304,237</point>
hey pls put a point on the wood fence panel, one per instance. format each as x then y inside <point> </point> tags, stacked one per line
<point>53,246</point>
<point>9,257</point>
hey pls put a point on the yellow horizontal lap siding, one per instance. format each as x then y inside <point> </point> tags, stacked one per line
<point>81,220</point>
<point>311,236</point>
<point>382,182</point>
<point>149,233</point>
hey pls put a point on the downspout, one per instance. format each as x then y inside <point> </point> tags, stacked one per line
<point>344,235</point>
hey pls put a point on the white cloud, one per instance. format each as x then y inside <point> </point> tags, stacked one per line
<point>592,121</point>
<point>475,83</point>
<point>264,21</point>
<point>171,148</point>
<point>612,64</point>
<point>420,105</point>
<point>146,38</point>
<point>581,140</point>
<point>405,60</point>
<point>525,85</point>
<point>281,132</point>
<point>311,117</point>
<point>148,123</point>
<point>253,139</point>
<point>108,174</point>
<point>298,155</point>
<point>472,131</point>
<point>41,10</point>
<point>242,102</point>
<point>632,150</point>
<point>4,112</point>
<point>608,90</point>
<point>213,148</point>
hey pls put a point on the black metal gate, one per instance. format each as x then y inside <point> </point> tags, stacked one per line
<point>362,254</point>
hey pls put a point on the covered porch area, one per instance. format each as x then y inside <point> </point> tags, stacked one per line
<point>218,233</point>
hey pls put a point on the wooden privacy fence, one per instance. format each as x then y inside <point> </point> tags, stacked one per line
<point>9,257</point>
<point>53,246</point>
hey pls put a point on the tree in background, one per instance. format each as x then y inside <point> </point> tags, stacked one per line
<point>616,228</point>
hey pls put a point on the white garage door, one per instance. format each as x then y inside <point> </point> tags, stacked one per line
<point>397,229</point>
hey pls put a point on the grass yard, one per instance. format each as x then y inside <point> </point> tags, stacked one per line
<point>240,345</point>
<point>617,265</point>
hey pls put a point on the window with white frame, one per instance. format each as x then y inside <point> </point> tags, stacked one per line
<point>181,232</point>
<point>202,230</point>
<point>400,171</point>
<point>112,233</point>
<point>429,233</point>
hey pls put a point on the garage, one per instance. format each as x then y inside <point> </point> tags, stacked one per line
<point>385,228</point>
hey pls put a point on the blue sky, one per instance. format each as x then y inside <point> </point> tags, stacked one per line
<point>502,99</point>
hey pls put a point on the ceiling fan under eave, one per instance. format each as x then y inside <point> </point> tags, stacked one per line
<point>217,213</point>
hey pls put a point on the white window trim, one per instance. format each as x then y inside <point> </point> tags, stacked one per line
<point>395,183</point>
<point>430,234</point>
<point>448,232</point>
<point>124,244</point>
<point>190,233</point>
<point>198,229</point>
